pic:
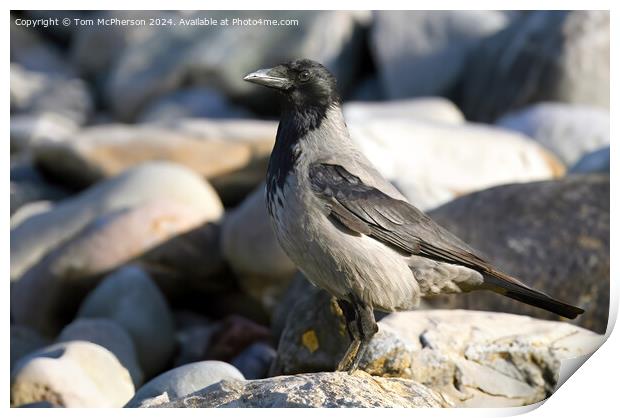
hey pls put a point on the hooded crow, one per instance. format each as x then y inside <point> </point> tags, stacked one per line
<point>348,229</point>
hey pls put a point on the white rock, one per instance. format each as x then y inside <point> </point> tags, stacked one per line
<point>435,109</point>
<point>72,374</point>
<point>432,162</point>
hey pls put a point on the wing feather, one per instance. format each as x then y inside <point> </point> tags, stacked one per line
<point>363,209</point>
<point>366,210</point>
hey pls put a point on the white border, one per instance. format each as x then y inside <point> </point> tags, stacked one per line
<point>591,391</point>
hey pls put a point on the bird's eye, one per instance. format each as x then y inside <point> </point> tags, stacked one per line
<point>304,76</point>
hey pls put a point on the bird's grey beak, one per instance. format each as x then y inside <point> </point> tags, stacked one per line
<point>269,77</point>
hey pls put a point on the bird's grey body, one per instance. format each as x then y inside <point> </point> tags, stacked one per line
<point>334,259</point>
<point>348,229</point>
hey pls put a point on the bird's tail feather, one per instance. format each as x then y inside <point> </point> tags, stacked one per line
<point>512,288</point>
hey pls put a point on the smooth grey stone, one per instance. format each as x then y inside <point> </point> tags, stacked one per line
<point>184,380</point>
<point>130,298</point>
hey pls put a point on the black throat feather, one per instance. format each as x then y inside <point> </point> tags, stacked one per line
<point>305,107</point>
<point>296,122</point>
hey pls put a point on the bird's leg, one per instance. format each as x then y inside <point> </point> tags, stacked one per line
<point>350,316</point>
<point>361,327</point>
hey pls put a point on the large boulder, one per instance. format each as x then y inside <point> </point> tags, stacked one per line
<point>570,131</point>
<point>107,334</point>
<point>39,234</point>
<point>182,381</point>
<point>131,299</point>
<point>187,55</point>
<point>422,53</point>
<point>71,374</point>
<point>251,248</point>
<point>320,390</point>
<point>557,56</point>
<point>553,235</point>
<point>432,162</point>
<point>232,154</point>
<point>470,356</point>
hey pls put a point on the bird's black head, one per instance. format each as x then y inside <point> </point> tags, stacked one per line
<point>304,83</point>
<point>310,91</point>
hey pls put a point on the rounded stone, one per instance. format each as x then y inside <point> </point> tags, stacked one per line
<point>108,334</point>
<point>71,374</point>
<point>185,380</point>
<point>130,298</point>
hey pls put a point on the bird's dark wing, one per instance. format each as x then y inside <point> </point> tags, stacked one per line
<point>363,209</point>
<point>366,210</point>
